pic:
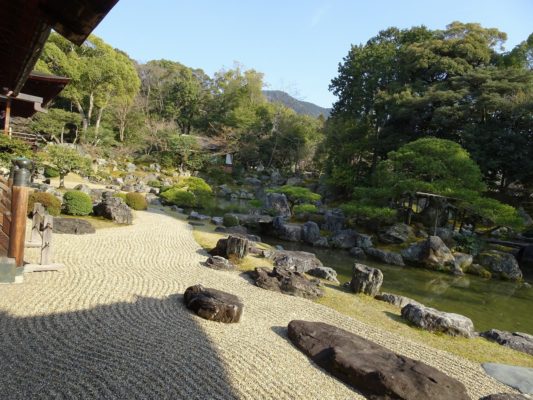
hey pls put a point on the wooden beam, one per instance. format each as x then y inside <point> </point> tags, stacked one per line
<point>4,242</point>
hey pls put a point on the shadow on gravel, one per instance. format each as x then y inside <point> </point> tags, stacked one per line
<point>146,349</point>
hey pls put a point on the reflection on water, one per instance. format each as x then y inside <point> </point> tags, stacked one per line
<point>489,303</point>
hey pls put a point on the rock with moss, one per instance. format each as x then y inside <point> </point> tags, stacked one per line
<point>500,264</point>
<point>310,232</point>
<point>396,234</point>
<point>300,261</point>
<point>438,321</point>
<point>366,279</point>
<point>115,209</point>
<point>431,253</point>
<point>278,203</point>
<point>518,341</point>
<point>326,273</point>
<point>395,299</point>
<point>476,269</point>
<point>288,282</point>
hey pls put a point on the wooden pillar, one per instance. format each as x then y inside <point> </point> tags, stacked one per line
<point>8,116</point>
<point>17,231</point>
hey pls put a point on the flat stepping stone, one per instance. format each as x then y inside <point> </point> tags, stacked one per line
<point>372,369</point>
<point>73,226</point>
<point>213,304</point>
<point>519,378</point>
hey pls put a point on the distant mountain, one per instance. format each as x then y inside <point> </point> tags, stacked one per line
<point>301,107</point>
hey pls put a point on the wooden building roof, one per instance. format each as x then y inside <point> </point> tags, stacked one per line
<point>26,25</point>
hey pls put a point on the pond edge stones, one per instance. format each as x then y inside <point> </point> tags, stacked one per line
<point>438,321</point>
<point>213,304</point>
<point>366,279</point>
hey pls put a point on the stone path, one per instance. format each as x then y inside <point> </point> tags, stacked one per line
<point>112,324</point>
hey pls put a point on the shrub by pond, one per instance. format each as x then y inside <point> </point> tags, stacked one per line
<point>77,203</point>
<point>51,203</point>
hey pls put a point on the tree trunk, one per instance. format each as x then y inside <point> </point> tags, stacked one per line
<point>84,121</point>
<point>90,110</point>
<point>61,181</point>
<point>97,124</point>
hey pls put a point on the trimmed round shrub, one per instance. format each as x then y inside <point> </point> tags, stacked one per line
<point>230,220</point>
<point>179,197</point>
<point>50,202</point>
<point>136,201</point>
<point>77,203</point>
<point>50,172</point>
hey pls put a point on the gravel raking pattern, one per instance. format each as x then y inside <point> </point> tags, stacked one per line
<point>112,325</point>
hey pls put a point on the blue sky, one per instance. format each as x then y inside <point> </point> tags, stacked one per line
<point>297,44</point>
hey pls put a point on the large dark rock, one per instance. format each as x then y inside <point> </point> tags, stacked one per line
<point>431,253</point>
<point>310,232</point>
<point>277,202</point>
<point>234,246</point>
<point>113,208</point>
<point>333,221</point>
<point>371,369</point>
<point>515,340</point>
<point>219,263</point>
<point>387,257</point>
<point>437,321</point>
<point>73,226</point>
<point>299,261</point>
<point>396,234</point>
<point>286,231</point>
<point>366,280</point>
<point>254,221</point>
<point>213,304</point>
<point>344,239</point>
<point>287,282</point>
<point>503,265</point>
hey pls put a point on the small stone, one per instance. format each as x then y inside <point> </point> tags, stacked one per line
<point>326,273</point>
<point>219,263</point>
<point>73,226</point>
<point>395,300</point>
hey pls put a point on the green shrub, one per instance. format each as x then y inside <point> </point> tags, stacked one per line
<point>155,184</point>
<point>77,203</point>
<point>255,203</point>
<point>50,172</point>
<point>382,214</point>
<point>305,209</point>
<point>136,201</point>
<point>199,193</point>
<point>179,197</point>
<point>50,202</point>
<point>230,220</point>
<point>12,148</point>
<point>296,194</point>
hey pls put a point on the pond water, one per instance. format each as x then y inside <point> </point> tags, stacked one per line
<point>489,303</point>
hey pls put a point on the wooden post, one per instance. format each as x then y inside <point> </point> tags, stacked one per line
<point>17,231</point>
<point>37,220</point>
<point>46,250</point>
<point>8,116</point>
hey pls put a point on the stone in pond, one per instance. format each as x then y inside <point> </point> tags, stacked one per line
<point>519,378</point>
<point>371,369</point>
<point>437,321</point>
<point>212,304</point>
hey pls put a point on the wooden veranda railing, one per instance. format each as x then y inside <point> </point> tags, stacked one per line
<point>32,139</point>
